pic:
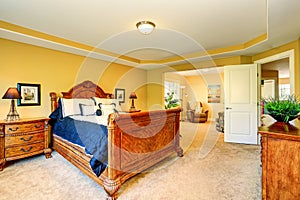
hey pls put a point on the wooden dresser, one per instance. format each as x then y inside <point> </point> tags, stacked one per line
<point>23,138</point>
<point>280,157</point>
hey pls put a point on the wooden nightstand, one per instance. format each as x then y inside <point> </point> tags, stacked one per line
<point>23,138</point>
<point>133,111</point>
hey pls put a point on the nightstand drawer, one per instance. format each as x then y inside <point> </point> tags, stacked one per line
<point>24,139</point>
<point>27,127</point>
<point>25,149</point>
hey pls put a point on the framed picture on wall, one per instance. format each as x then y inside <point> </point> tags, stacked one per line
<point>30,93</point>
<point>214,93</point>
<point>120,95</point>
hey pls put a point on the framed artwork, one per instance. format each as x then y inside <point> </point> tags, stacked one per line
<point>30,93</point>
<point>120,95</point>
<point>214,93</point>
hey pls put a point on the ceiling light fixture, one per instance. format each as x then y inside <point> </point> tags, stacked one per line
<point>145,27</point>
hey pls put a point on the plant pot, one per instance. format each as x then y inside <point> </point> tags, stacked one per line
<point>282,118</point>
<point>282,127</point>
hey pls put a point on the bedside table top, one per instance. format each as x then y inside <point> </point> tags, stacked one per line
<point>25,120</point>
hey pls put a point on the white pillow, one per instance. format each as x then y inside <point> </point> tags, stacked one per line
<point>107,109</point>
<point>105,101</point>
<point>71,106</point>
<point>102,119</point>
<point>198,109</point>
<point>87,109</point>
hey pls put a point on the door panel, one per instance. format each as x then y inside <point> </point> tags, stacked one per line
<point>240,83</point>
<point>238,128</point>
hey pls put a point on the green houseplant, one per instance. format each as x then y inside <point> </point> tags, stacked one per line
<point>170,101</point>
<point>282,110</point>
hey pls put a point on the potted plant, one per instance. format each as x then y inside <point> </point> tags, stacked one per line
<point>170,101</point>
<point>282,110</point>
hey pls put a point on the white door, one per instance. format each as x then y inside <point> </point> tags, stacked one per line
<point>240,82</point>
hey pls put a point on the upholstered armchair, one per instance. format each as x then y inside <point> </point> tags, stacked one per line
<point>196,112</point>
<point>220,122</point>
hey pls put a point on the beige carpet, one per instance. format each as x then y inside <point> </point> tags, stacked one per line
<point>210,169</point>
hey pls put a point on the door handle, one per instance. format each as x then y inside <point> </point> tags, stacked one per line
<point>228,108</point>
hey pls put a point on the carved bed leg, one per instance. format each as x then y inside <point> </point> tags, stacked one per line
<point>2,163</point>
<point>48,152</point>
<point>111,187</point>
<point>179,151</point>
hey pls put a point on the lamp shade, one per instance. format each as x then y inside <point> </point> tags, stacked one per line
<point>145,27</point>
<point>12,93</point>
<point>132,96</point>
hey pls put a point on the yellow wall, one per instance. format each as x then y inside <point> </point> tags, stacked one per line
<point>155,87</point>
<point>133,80</point>
<point>235,60</point>
<point>58,71</point>
<point>155,75</point>
<point>198,84</point>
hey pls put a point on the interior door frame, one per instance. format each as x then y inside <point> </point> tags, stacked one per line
<point>287,54</point>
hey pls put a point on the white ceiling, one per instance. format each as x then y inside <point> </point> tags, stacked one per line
<point>182,27</point>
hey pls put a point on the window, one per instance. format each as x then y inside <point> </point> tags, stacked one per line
<point>172,87</point>
<point>284,90</point>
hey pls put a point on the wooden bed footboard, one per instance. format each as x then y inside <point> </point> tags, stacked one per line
<point>136,141</point>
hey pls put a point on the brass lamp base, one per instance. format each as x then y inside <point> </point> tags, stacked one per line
<point>13,114</point>
<point>12,117</point>
<point>132,109</point>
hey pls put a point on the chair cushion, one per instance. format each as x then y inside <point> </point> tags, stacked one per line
<point>199,115</point>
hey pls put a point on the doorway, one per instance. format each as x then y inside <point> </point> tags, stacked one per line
<point>284,65</point>
<point>275,78</point>
<point>280,68</point>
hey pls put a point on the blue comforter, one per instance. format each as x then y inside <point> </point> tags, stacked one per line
<point>91,136</point>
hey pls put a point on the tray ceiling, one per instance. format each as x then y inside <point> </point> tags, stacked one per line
<point>184,29</point>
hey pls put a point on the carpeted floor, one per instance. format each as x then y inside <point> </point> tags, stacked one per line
<point>210,169</point>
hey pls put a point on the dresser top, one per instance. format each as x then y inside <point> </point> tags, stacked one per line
<point>282,130</point>
<point>25,120</point>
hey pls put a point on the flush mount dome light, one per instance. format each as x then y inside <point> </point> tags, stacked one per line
<point>145,27</point>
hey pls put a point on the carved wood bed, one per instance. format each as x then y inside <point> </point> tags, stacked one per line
<point>136,141</point>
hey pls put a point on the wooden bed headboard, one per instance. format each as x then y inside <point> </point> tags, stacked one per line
<point>86,89</point>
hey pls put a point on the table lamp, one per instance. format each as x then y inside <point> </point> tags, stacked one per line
<point>12,93</point>
<point>132,97</point>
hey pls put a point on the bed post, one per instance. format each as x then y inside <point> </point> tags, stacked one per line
<point>178,149</point>
<point>111,184</point>
<point>53,101</point>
